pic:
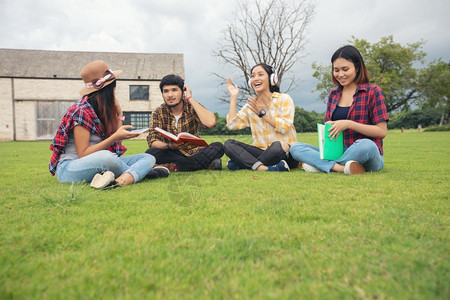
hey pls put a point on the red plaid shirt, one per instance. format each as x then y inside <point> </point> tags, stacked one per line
<point>368,107</point>
<point>80,113</point>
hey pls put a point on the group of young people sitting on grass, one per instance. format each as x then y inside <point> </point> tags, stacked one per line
<point>87,146</point>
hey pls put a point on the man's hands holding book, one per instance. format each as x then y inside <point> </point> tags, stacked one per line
<point>174,145</point>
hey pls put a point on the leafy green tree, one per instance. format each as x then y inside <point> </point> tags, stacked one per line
<point>435,88</point>
<point>221,128</point>
<point>305,121</point>
<point>390,65</point>
<point>413,118</point>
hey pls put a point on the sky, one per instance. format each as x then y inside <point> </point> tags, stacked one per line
<point>194,28</point>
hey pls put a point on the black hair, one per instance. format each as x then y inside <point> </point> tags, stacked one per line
<point>171,79</point>
<point>269,70</point>
<point>352,54</point>
<point>102,101</point>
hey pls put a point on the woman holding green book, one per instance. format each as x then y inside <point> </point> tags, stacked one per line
<point>356,109</point>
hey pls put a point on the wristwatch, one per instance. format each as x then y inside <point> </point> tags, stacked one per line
<point>167,147</point>
<point>262,113</point>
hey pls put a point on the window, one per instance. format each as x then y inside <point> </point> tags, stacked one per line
<point>139,92</point>
<point>137,119</point>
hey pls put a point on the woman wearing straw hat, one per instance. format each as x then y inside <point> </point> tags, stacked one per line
<point>88,144</point>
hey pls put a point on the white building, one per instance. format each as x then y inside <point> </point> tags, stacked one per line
<point>37,87</point>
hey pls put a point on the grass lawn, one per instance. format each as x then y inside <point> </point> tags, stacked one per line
<point>223,234</point>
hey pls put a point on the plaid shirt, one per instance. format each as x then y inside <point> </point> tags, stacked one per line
<point>163,118</point>
<point>282,109</point>
<point>80,113</point>
<point>368,107</point>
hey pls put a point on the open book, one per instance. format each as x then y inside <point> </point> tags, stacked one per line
<point>329,149</point>
<point>182,137</point>
<point>142,130</point>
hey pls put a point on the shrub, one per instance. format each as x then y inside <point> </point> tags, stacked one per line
<point>414,118</point>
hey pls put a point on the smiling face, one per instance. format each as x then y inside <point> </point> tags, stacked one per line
<point>172,95</point>
<point>344,71</point>
<point>260,80</point>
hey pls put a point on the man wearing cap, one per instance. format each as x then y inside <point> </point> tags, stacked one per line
<point>181,113</point>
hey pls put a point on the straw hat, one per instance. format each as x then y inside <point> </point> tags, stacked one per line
<point>96,75</point>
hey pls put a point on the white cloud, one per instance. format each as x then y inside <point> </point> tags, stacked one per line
<point>194,28</point>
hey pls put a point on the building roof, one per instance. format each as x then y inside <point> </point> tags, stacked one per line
<point>68,64</point>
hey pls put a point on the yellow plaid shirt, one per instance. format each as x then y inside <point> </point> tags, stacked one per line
<point>282,109</point>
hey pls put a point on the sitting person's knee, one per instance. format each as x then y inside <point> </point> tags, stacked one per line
<point>285,146</point>
<point>228,143</point>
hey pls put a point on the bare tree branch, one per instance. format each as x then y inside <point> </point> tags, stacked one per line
<point>271,31</point>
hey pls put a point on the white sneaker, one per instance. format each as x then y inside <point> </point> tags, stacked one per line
<point>353,167</point>
<point>311,169</point>
<point>101,181</point>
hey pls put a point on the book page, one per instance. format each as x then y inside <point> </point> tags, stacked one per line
<point>140,130</point>
<point>187,134</point>
<point>321,134</point>
<point>166,134</point>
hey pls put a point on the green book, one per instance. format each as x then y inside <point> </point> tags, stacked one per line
<point>329,149</point>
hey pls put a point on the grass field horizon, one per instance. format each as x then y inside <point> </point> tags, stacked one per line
<point>222,234</point>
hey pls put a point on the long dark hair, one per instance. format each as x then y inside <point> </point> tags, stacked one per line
<point>352,54</point>
<point>103,103</point>
<point>269,70</point>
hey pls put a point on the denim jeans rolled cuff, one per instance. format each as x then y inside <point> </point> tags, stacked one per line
<point>364,151</point>
<point>256,165</point>
<point>85,168</point>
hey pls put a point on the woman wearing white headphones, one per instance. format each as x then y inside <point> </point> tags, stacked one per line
<point>270,117</point>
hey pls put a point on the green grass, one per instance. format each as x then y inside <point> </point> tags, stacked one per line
<point>224,235</point>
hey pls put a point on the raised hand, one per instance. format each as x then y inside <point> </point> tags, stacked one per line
<point>233,89</point>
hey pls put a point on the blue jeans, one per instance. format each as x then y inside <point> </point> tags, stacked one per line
<point>364,151</point>
<point>85,168</point>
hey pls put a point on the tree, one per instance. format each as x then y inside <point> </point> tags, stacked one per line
<point>305,121</point>
<point>272,32</point>
<point>390,65</point>
<point>413,118</point>
<point>435,88</point>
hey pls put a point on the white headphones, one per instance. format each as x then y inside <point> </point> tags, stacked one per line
<point>273,78</point>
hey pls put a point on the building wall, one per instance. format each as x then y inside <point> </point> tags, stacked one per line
<point>25,115</point>
<point>6,110</point>
<point>47,89</point>
<point>123,95</point>
<point>29,92</point>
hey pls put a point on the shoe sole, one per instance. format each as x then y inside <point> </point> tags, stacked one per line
<point>102,180</point>
<point>310,169</point>
<point>286,166</point>
<point>356,168</point>
<point>161,172</point>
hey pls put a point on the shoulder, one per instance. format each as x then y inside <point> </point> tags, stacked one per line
<point>282,97</point>
<point>369,87</point>
<point>81,107</point>
<point>336,90</point>
<point>189,109</point>
<point>373,92</point>
<point>160,110</point>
